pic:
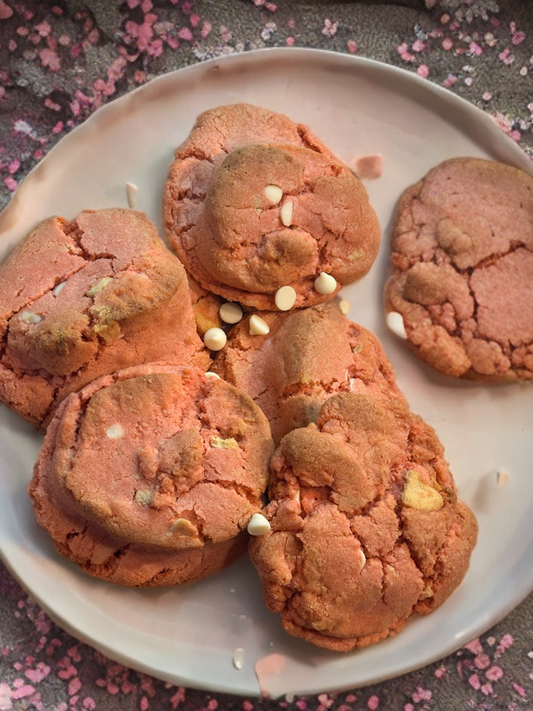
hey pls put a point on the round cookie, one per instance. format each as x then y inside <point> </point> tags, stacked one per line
<point>150,476</point>
<point>366,527</point>
<point>307,356</point>
<point>462,253</point>
<point>254,202</point>
<point>82,299</point>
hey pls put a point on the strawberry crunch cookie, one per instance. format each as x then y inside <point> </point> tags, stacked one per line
<point>150,476</point>
<point>365,524</point>
<point>462,253</point>
<point>306,356</point>
<point>254,203</point>
<point>82,299</point>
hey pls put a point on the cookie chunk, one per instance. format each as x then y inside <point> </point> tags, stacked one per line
<point>150,476</point>
<point>462,253</point>
<point>82,299</point>
<point>307,356</point>
<point>254,203</point>
<point>366,527</point>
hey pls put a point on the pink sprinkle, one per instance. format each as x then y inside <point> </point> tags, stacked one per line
<point>447,43</point>
<point>5,11</point>
<point>487,689</point>
<point>23,691</point>
<point>422,695</point>
<point>408,707</point>
<point>184,33</point>
<point>518,37</point>
<point>178,697</point>
<point>482,661</point>
<point>352,46</point>
<point>206,29</point>
<point>12,45</point>
<point>89,703</point>
<point>301,704</point>
<point>373,703</point>
<point>38,674</point>
<point>145,704</point>
<point>133,3</point>
<point>505,643</point>
<point>474,646</point>
<point>212,705</point>
<point>520,690</point>
<point>146,5</point>
<point>475,48</point>
<point>11,184</point>
<point>14,166</point>
<point>112,688</point>
<point>51,104</point>
<point>494,673</point>
<point>247,706</point>
<point>271,7</point>
<point>440,672</point>
<point>423,70</point>
<point>474,681</point>
<point>289,41</point>
<point>194,19</point>
<point>418,46</point>
<point>487,96</point>
<point>43,28</point>
<point>50,59</point>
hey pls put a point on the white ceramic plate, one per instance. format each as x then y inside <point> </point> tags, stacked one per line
<point>188,635</point>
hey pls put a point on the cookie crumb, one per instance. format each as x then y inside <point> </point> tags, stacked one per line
<point>131,195</point>
<point>285,298</point>
<point>396,325</point>
<point>325,283</point>
<point>238,658</point>
<point>228,443</point>
<point>273,194</point>
<point>115,432</point>
<point>230,312</point>
<point>345,306</point>
<point>215,339</point>
<point>257,326</point>
<point>258,525</point>
<point>502,478</point>
<point>369,167</point>
<point>286,213</point>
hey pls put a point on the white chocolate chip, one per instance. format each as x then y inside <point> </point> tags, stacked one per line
<point>258,525</point>
<point>96,288</point>
<point>286,213</point>
<point>131,194</point>
<point>238,658</point>
<point>258,327</point>
<point>230,313</point>
<point>285,298</point>
<point>143,496</point>
<point>396,325</point>
<point>215,339</point>
<point>273,194</point>
<point>345,306</point>
<point>210,374</point>
<point>59,288</point>
<point>325,283</point>
<point>115,432</point>
<point>30,317</point>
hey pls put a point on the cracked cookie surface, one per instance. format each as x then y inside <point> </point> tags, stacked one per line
<point>366,527</point>
<point>151,475</point>
<point>307,356</point>
<point>462,253</point>
<point>82,299</point>
<point>254,202</point>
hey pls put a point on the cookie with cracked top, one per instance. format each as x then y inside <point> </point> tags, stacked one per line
<point>84,298</point>
<point>307,356</point>
<point>189,460</point>
<point>366,527</point>
<point>254,202</point>
<point>462,252</point>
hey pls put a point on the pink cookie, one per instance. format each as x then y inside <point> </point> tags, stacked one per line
<point>150,476</point>
<point>366,526</point>
<point>82,299</point>
<point>254,202</point>
<point>462,252</point>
